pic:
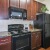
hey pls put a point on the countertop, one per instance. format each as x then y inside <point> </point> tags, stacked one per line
<point>4,34</point>
<point>35,30</point>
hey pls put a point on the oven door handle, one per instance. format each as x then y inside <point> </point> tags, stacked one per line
<point>20,35</point>
<point>5,43</point>
<point>16,36</point>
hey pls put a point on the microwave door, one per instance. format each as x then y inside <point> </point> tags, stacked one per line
<point>16,15</point>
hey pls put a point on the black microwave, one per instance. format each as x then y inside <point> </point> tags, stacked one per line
<point>17,13</point>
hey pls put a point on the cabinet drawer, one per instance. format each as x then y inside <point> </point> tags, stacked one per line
<point>6,46</point>
<point>5,39</point>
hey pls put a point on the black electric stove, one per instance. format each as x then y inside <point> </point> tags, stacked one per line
<point>21,40</point>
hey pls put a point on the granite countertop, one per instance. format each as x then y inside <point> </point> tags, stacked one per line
<point>4,34</point>
<point>34,30</point>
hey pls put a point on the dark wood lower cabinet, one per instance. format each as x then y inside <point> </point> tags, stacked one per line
<point>38,37</point>
<point>5,43</point>
<point>35,40</point>
<point>4,5</point>
<point>5,46</point>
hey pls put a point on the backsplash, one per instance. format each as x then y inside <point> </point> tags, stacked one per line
<point>4,23</point>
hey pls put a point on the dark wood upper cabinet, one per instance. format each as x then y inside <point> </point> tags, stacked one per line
<point>33,9</point>
<point>23,4</point>
<point>4,4</point>
<point>31,6</point>
<point>14,3</point>
<point>39,6</point>
<point>18,3</point>
<point>29,9</point>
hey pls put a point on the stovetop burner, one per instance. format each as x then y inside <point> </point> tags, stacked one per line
<point>15,33</point>
<point>17,29</point>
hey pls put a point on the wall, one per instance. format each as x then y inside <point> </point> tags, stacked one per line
<point>4,23</point>
<point>47,3</point>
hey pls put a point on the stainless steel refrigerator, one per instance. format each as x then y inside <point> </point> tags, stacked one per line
<point>43,22</point>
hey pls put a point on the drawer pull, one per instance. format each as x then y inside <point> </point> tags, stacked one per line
<point>5,43</point>
<point>4,40</point>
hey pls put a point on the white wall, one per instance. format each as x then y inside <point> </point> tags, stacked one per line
<point>4,23</point>
<point>47,3</point>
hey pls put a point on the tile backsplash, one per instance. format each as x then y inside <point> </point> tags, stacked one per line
<point>4,23</point>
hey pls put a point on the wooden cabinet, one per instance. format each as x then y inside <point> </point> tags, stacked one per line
<point>18,3</point>
<point>23,4</point>
<point>38,39</point>
<point>14,3</point>
<point>31,6</point>
<point>5,43</point>
<point>5,46</point>
<point>29,9</point>
<point>33,9</point>
<point>35,40</point>
<point>39,6</point>
<point>4,4</point>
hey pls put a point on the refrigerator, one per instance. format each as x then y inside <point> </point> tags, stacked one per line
<point>43,22</point>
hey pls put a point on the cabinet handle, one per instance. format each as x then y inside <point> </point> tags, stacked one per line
<point>5,43</point>
<point>33,33</point>
<point>4,40</point>
<point>37,36</point>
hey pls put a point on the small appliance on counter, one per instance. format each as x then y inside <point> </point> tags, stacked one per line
<point>17,13</point>
<point>26,27</point>
<point>20,40</point>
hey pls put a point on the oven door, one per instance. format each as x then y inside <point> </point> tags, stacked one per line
<point>21,42</point>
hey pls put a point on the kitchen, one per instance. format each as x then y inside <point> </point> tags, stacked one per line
<point>6,18</point>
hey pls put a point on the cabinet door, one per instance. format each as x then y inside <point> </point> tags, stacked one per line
<point>33,40</point>
<point>5,46</point>
<point>39,6</point>
<point>23,4</point>
<point>28,9</point>
<point>38,39</point>
<point>14,3</point>
<point>4,4</point>
<point>33,9</point>
<point>5,43</point>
